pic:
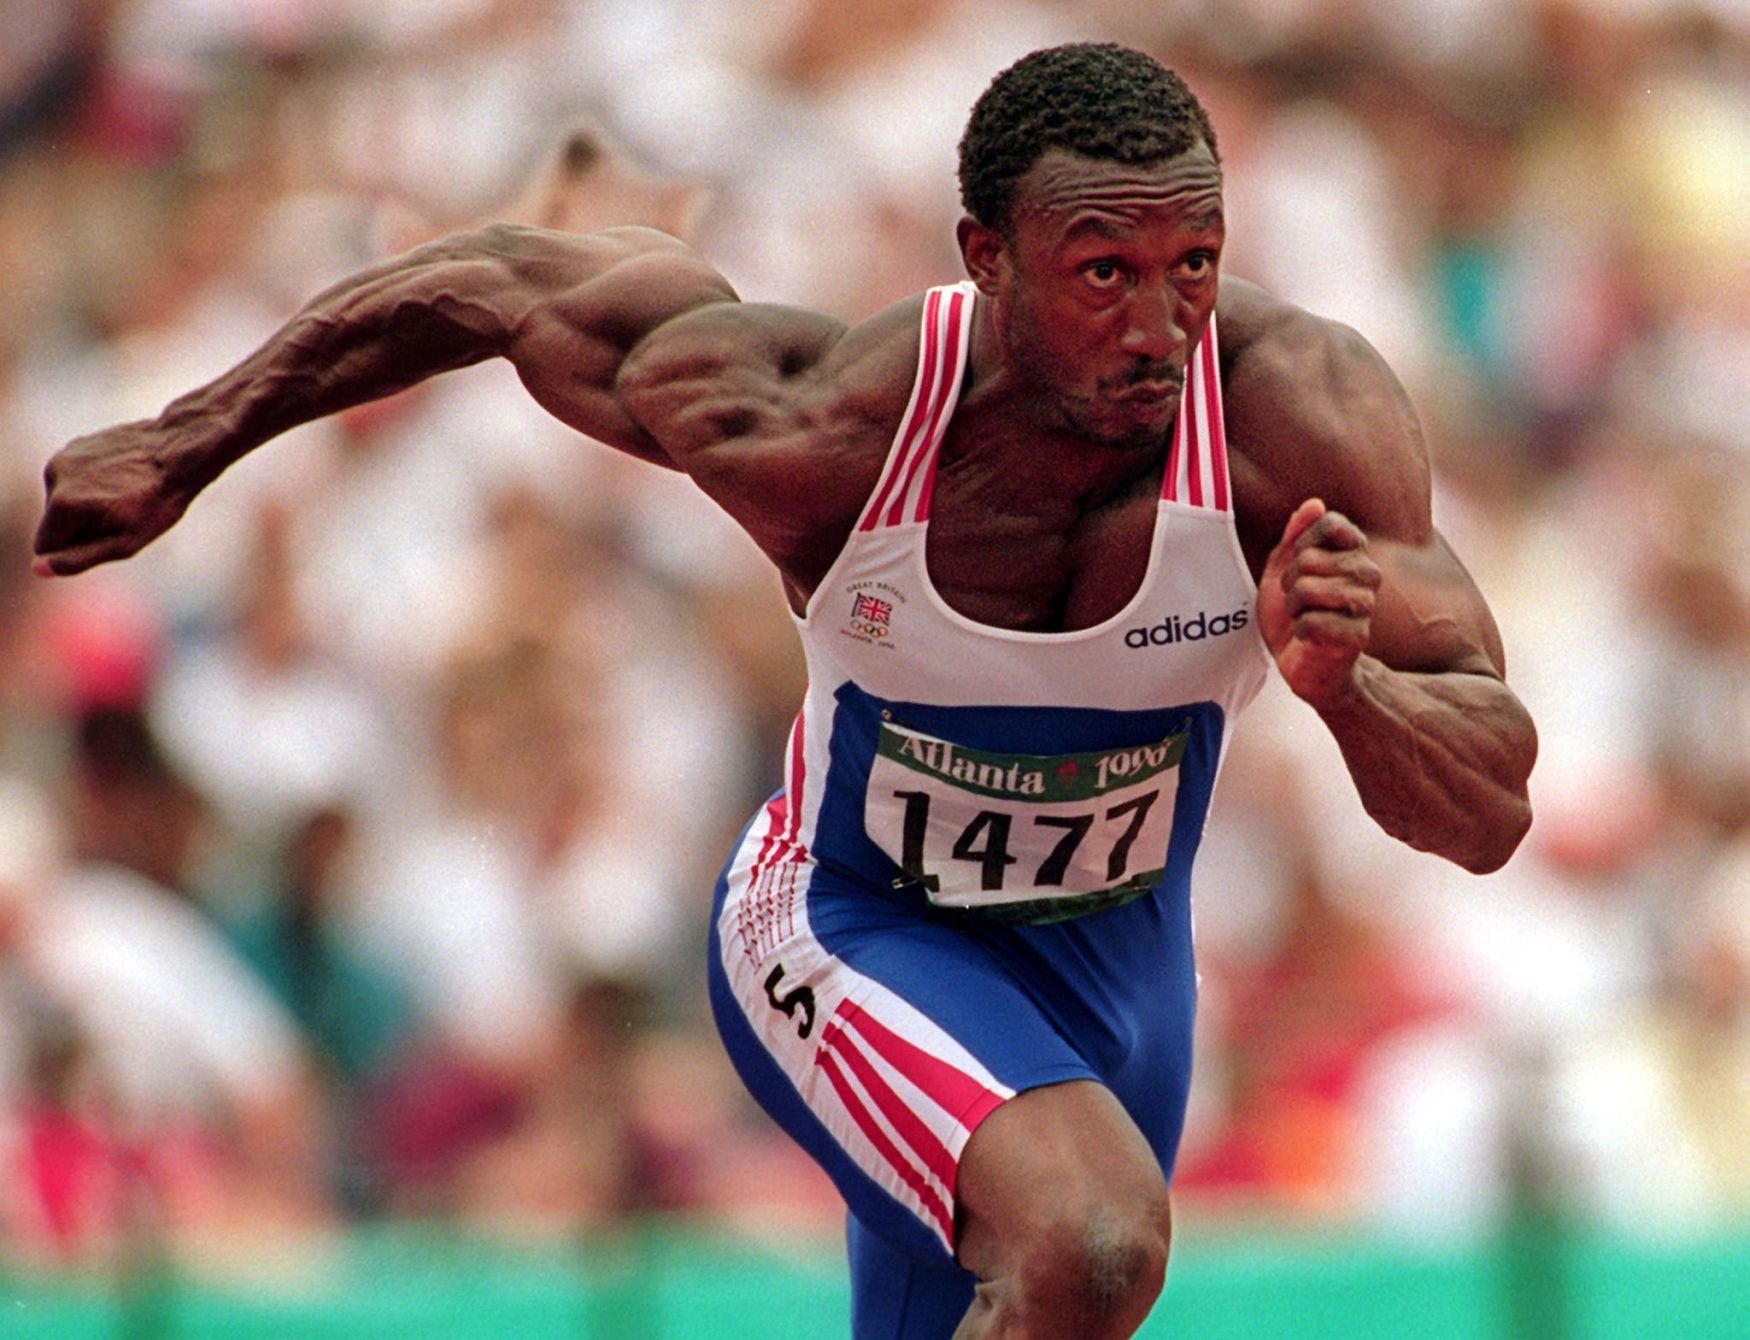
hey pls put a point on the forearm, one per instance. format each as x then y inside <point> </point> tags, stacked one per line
<point>564,309</point>
<point>440,307</point>
<point>1440,760</point>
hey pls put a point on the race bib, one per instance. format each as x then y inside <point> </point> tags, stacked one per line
<point>1027,837</point>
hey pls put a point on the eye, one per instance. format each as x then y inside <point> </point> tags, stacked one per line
<point>1198,264</point>
<point>1103,273</point>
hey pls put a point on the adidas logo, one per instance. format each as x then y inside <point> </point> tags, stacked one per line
<point>1173,629</point>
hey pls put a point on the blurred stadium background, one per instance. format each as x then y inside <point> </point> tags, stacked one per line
<point>355,840</point>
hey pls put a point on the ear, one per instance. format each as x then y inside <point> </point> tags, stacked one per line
<point>985,253</point>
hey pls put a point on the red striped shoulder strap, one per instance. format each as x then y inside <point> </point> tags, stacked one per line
<point>1197,464</point>
<point>903,493</point>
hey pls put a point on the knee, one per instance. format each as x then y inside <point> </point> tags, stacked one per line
<point>1097,1270</point>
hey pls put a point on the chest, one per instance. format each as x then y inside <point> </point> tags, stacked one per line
<point>1004,548</point>
<point>1003,551</point>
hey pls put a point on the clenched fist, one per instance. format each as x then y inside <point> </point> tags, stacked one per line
<point>1315,602</point>
<point>109,495</point>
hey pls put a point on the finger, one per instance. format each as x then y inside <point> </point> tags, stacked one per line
<point>1304,516</point>
<point>1354,564</point>
<point>1330,593</point>
<point>51,536</point>
<point>61,534</point>
<point>1331,530</point>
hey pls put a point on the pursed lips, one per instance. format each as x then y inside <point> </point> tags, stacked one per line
<point>1149,389</point>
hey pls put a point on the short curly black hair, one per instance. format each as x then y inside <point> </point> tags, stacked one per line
<point>1093,98</point>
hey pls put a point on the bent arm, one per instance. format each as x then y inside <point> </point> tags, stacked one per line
<point>1439,747</point>
<point>565,309</point>
<point>1371,617</point>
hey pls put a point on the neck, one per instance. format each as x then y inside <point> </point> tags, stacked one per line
<point>997,385</point>
<point>987,359</point>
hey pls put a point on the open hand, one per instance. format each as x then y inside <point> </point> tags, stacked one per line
<point>1315,602</point>
<point>108,497</point>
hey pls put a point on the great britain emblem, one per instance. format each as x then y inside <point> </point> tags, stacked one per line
<point>873,605</point>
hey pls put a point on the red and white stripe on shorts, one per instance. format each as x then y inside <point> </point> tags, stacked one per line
<point>913,1097</point>
<point>895,1090</point>
<point>903,493</point>
<point>765,903</point>
<point>1197,466</point>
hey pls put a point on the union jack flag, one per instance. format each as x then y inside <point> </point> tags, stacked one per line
<point>875,611</point>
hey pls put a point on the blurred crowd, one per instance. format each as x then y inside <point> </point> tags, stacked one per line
<point>356,839</point>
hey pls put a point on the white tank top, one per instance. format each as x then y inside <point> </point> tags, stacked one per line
<point>1029,776</point>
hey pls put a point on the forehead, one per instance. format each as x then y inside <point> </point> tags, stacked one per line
<point>1065,191</point>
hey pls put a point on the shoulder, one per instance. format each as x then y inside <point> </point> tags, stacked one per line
<point>782,416</point>
<point>877,358</point>
<point>1312,410</point>
<point>732,375</point>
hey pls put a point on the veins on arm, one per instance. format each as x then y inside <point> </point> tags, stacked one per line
<point>562,308</point>
<point>368,336</point>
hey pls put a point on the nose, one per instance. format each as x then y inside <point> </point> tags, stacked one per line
<point>1154,326</point>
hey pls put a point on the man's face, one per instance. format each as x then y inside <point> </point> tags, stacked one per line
<point>1103,282</point>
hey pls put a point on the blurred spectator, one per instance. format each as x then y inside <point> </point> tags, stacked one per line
<point>1656,1106</point>
<point>355,1013</point>
<point>269,729</point>
<point>1300,1027</point>
<point>159,1058</point>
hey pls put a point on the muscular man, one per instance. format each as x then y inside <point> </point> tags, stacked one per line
<point>1043,535</point>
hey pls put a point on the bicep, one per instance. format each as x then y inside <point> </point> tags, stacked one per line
<point>1429,615</point>
<point>589,302</point>
<point>1331,420</point>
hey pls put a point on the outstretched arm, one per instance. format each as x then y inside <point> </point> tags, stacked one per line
<point>1370,616</point>
<point>565,309</point>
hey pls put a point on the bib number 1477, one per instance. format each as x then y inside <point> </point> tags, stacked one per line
<point>976,828</point>
<point>987,841</point>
